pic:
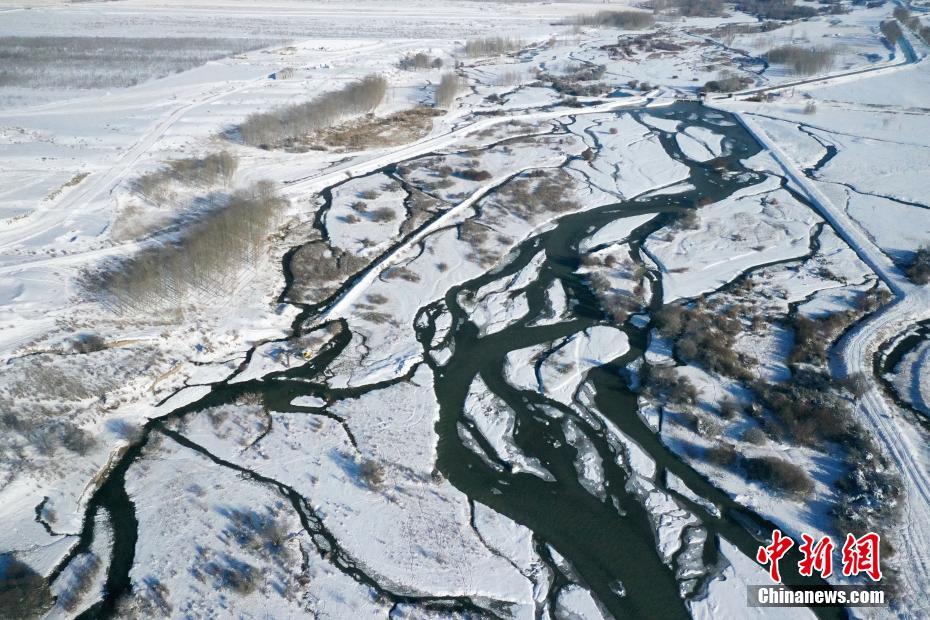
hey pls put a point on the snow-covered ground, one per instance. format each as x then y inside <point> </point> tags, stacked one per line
<point>270,487</point>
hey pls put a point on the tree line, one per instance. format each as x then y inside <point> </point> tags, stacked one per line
<point>204,260</point>
<point>286,125</point>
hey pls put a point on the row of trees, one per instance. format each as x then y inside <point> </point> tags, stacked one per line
<point>491,46</point>
<point>803,60</point>
<point>418,61</point>
<point>904,16</point>
<point>891,30</point>
<point>205,260</point>
<point>775,9</point>
<point>286,125</point>
<point>85,62</point>
<point>689,8</point>
<point>192,172</point>
<point>626,20</point>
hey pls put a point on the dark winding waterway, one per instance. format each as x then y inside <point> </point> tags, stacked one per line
<point>605,542</point>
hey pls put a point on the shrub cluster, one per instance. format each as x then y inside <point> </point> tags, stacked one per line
<point>318,269</point>
<point>24,593</point>
<point>80,577</point>
<point>669,386</point>
<point>727,83</point>
<point>618,303</point>
<point>808,410</point>
<point>813,337</point>
<point>539,192</point>
<point>578,81</point>
<point>783,475</point>
<point>871,491</point>
<point>43,429</point>
<point>707,338</point>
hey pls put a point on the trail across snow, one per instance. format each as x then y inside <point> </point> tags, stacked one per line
<point>47,216</point>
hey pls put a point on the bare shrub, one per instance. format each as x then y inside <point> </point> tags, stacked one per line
<point>382,214</point>
<point>371,473</point>
<point>230,573</point>
<point>286,125</point>
<point>755,436</point>
<point>88,343</point>
<point>688,219</point>
<point>901,13</point>
<point>259,532</point>
<point>784,476</point>
<point>473,174</point>
<point>448,87</point>
<point>803,60</point>
<point>69,183</point>
<point>724,455</point>
<point>729,408</point>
